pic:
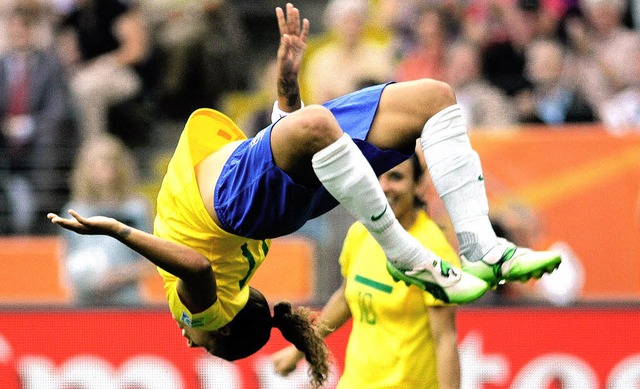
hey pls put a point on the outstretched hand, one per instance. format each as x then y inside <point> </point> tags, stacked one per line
<point>293,41</point>
<point>94,225</point>
<point>286,360</point>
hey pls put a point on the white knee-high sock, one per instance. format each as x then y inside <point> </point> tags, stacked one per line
<point>346,174</point>
<point>457,175</point>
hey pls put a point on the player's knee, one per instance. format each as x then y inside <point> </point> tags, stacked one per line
<point>319,126</point>
<point>436,94</point>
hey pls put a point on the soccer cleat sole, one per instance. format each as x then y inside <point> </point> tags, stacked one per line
<point>522,272</point>
<point>537,274</point>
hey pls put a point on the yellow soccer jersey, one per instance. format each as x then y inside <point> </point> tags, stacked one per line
<point>390,345</point>
<point>182,218</point>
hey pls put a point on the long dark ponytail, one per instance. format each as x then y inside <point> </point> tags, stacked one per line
<point>296,327</point>
<point>250,330</point>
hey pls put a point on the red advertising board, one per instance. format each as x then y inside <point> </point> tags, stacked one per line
<point>126,349</point>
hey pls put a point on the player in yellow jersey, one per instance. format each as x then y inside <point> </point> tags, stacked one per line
<point>224,197</point>
<point>401,337</point>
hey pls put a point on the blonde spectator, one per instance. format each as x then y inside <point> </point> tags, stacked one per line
<point>336,68</point>
<point>100,271</point>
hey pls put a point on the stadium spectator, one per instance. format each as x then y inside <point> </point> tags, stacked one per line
<point>621,112</point>
<point>101,43</point>
<point>200,44</point>
<point>36,134</point>
<point>43,15</point>
<point>396,19</point>
<point>485,105</point>
<point>489,22</point>
<point>603,48</point>
<point>101,271</point>
<point>553,99</point>
<point>386,313</point>
<point>335,68</point>
<point>503,58</point>
<point>427,56</point>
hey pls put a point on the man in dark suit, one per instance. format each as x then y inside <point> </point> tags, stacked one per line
<point>35,124</point>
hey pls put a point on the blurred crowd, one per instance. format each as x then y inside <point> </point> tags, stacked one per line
<point>75,71</point>
<point>510,61</point>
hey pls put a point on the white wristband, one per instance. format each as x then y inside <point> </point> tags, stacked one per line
<point>278,114</point>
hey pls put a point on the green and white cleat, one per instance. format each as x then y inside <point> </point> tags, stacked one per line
<point>443,281</point>
<point>508,262</point>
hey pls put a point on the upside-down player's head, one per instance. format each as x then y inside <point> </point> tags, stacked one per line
<point>250,329</point>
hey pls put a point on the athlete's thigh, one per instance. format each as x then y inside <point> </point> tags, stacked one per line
<point>404,109</point>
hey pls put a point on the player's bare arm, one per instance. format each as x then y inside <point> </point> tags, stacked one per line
<point>197,287</point>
